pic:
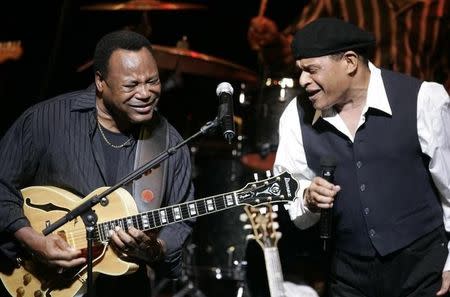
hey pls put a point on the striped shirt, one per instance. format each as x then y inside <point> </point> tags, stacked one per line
<point>57,143</point>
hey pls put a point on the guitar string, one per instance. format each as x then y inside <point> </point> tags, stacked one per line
<point>78,235</point>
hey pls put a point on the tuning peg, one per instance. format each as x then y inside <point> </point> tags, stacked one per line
<point>263,210</point>
<point>273,216</point>
<point>275,207</point>
<point>278,235</point>
<point>247,227</point>
<point>268,173</point>
<point>274,225</point>
<point>255,176</point>
<point>243,217</point>
<point>249,237</point>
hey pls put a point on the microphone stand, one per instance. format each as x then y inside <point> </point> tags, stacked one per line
<point>90,218</point>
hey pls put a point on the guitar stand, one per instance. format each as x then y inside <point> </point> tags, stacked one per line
<point>90,220</point>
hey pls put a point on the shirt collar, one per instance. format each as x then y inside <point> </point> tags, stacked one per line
<point>85,99</point>
<point>376,97</point>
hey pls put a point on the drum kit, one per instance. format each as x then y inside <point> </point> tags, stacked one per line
<point>217,250</point>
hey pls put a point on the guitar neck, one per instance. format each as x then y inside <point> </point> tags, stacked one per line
<point>280,188</point>
<point>274,272</point>
<point>171,214</point>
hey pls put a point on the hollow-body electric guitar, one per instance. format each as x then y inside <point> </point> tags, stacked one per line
<point>46,204</point>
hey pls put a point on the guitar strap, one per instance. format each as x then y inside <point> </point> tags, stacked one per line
<point>148,191</point>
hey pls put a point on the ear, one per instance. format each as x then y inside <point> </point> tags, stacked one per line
<point>352,62</point>
<point>99,81</point>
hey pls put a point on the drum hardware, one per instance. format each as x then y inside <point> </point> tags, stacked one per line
<point>283,83</point>
<point>142,5</point>
<point>244,100</point>
<point>261,125</point>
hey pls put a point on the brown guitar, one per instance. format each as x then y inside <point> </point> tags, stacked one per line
<point>45,204</point>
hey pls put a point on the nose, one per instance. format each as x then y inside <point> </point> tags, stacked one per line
<point>304,79</point>
<point>143,91</point>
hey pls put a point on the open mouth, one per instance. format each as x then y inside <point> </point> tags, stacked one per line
<point>143,108</point>
<point>312,93</point>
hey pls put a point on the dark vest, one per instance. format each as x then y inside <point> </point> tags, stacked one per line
<point>387,198</point>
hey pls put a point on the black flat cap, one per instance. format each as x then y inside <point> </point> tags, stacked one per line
<point>326,36</point>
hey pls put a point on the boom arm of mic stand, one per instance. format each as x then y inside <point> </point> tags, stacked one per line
<point>136,174</point>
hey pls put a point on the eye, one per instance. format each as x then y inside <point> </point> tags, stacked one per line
<point>153,81</point>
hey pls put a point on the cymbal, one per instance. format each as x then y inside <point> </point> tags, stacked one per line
<point>191,62</point>
<point>142,5</point>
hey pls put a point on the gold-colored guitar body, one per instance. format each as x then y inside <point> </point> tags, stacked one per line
<point>44,205</point>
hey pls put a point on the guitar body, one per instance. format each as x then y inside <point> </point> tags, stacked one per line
<point>44,205</point>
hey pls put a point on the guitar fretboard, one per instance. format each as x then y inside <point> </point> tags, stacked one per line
<point>274,272</point>
<point>168,215</point>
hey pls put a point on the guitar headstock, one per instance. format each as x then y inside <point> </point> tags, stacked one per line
<point>263,224</point>
<point>280,188</point>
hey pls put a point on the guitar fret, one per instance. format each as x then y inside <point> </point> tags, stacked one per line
<point>163,216</point>
<point>170,214</point>
<point>184,211</point>
<point>201,207</point>
<point>130,222</point>
<point>97,236</point>
<point>139,222</point>
<point>210,205</point>
<point>122,225</point>
<point>229,200</point>
<point>135,221</point>
<point>218,202</point>
<point>151,220</point>
<point>101,232</point>
<point>145,221</point>
<point>156,218</point>
<point>177,213</point>
<point>192,209</point>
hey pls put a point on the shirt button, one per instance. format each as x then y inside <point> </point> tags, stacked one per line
<point>372,233</point>
<point>359,164</point>
<point>366,210</point>
<point>362,187</point>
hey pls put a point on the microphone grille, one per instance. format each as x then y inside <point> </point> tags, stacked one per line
<point>224,87</point>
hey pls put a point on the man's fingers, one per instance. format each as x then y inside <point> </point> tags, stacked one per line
<point>69,263</point>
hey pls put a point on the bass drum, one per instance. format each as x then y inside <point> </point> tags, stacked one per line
<point>215,258</point>
<point>261,122</point>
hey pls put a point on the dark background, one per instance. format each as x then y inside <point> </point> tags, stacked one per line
<point>58,37</point>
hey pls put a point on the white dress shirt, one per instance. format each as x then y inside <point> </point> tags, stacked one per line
<point>433,127</point>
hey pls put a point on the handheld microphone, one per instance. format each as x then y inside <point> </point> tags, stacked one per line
<point>225,93</point>
<point>327,167</point>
